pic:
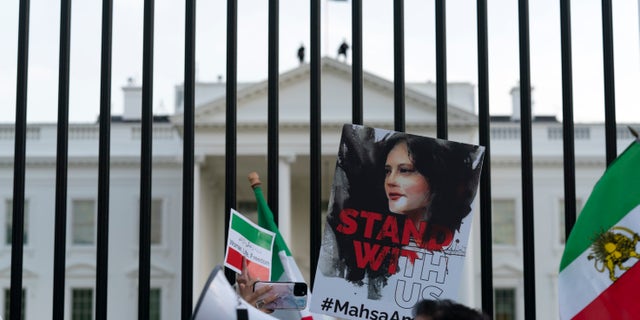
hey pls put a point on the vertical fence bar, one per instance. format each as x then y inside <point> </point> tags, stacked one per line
<point>146,149</point>
<point>441,68</point>
<point>19,161</point>
<point>62,156</point>
<point>398,65</point>
<point>315,136</point>
<point>231,119</point>
<point>567,118</point>
<point>357,73</point>
<point>273,119</point>
<point>486,243</point>
<point>527,162</point>
<point>188,154</point>
<point>102,256</point>
<point>273,123</point>
<point>609,82</point>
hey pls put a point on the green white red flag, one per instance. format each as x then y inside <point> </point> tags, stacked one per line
<point>254,243</point>
<point>598,272</point>
<point>284,267</point>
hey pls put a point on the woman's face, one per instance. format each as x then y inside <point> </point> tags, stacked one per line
<point>407,189</point>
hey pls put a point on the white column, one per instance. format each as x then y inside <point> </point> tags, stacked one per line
<point>284,196</point>
<point>470,293</point>
<point>198,273</point>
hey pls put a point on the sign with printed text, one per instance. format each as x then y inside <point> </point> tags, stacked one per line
<point>254,243</point>
<point>397,225</point>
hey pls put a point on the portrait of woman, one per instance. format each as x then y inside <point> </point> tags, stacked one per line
<point>384,182</point>
<point>407,189</point>
<point>429,179</point>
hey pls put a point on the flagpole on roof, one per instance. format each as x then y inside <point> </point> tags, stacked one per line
<point>325,28</point>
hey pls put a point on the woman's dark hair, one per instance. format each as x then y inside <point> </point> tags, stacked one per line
<point>448,168</point>
<point>353,187</point>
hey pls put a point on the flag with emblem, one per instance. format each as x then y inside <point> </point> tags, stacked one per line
<point>599,272</point>
<point>283,267</point>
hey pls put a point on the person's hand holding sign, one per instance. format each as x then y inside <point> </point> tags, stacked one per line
<point>245,288</point>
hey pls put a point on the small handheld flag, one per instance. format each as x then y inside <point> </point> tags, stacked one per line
<point>251,242</point>
<point>283,267</point>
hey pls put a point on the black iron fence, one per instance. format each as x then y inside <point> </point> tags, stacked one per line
<point>101,279</point>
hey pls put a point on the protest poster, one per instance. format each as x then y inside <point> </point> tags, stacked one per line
<point>397,225</point>
<point>254,243</point>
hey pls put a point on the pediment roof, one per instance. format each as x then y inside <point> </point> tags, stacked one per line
<point>80,270</point>
<point>508,269</point>
<point>155,271</point>
<point>293,101</point>
<point>5,272</point>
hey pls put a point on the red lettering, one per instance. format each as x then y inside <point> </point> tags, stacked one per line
<point>396,253</point>
<point>393,263</point>
<point>367,254</point>
<point>410,231</point>
<point>389,229</point>
<point>410,255</point>
<point>348,224</point>
<point>371,217</point>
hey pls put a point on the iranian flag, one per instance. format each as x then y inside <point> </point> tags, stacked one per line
<point>252,242</point>
<point>283,266</point>
<point>599,275</point>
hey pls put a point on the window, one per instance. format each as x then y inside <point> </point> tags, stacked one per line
<point>505,300</point>
<point>9,222</point>
<point>84,222</point>
<point>505,133</point>
<point>156,221</point>
<point>503,221</point>
<point>81,304</point>
<point>155,303</point>
<point>561,233</point>
<point>7,303</point>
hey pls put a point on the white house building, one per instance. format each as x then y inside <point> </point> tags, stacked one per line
<point>293,190</point>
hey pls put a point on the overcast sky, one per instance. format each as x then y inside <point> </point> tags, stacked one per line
<point>294,30</point>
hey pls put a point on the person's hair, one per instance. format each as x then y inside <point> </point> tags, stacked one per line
<point>447,310</point>
<point>448,168</point>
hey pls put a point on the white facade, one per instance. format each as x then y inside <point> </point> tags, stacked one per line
<point>294,187</point>
<point>123,217</point>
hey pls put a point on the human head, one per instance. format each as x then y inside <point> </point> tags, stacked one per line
<point>450,171</point>
<point>445,310</point>
<point>408,190</point>
<point>421,156</point>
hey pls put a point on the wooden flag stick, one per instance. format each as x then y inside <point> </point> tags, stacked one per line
<point>254,179</point>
